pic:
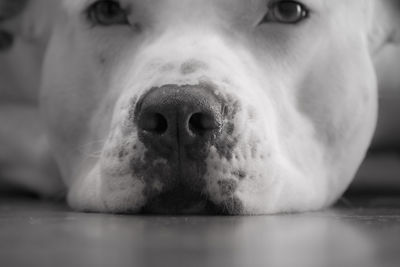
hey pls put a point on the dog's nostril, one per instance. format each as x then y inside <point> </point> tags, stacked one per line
<point>155,123</point>
<point>200,123</point>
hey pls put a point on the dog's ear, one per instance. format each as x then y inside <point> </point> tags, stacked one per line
<point>9,9</point>
<point>384,26</point>
<point>30,20</point>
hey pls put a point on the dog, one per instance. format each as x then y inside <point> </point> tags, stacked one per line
<point>182,106</point>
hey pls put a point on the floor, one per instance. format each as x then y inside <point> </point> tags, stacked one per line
<point>358,232</point>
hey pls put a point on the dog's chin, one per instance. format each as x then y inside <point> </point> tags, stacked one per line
<point>203,207</point>
<point>155,207</point>
<point>177,202</point>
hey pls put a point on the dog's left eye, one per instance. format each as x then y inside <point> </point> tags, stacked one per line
<point>107,13</point>
<point>287,12</point>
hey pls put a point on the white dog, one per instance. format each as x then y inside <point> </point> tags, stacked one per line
<point>186,106</point>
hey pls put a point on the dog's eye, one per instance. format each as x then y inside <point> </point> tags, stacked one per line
<point>106,13</point>
<point>288,12</point>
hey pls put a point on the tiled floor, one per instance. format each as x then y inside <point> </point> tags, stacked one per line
<point>356,233</point>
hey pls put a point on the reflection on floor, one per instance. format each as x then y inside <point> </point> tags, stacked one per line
<point>357,232</point>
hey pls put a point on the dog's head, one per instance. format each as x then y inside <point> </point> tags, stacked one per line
<point>231,106</point>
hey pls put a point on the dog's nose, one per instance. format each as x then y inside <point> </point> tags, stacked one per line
<point>171,116</point>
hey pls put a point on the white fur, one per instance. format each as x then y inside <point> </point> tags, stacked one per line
<point>307,97</point>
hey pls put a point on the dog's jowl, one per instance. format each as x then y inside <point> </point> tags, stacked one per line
<point>216,106</point>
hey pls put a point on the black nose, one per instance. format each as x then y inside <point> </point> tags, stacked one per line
<point>171,116</point>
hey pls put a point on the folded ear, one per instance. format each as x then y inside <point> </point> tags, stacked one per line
<point>30,20</point>
<point>384,27</point>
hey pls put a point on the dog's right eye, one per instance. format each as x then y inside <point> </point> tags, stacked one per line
<point>286,12</point>
<point>107,13</point>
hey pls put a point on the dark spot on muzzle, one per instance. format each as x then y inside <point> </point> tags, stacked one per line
<point>226,146</point>
<point>227,187</point>
<point>233,206</point>
<point>239,174</point>
<point>230,206</point>
<point>192,66</point>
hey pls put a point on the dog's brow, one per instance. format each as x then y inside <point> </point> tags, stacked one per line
<point>73,5</point>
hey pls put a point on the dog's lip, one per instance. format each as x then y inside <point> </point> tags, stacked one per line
<point>177,201</point>
<point>202,207</point>
<point>189,203</point>
<point>195,208</point>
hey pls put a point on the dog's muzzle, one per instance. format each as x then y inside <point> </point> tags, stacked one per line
<point>177,125</point>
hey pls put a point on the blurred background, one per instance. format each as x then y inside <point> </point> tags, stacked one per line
<point>363,229</point>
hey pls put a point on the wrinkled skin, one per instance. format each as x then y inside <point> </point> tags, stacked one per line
<point>301,104</point>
